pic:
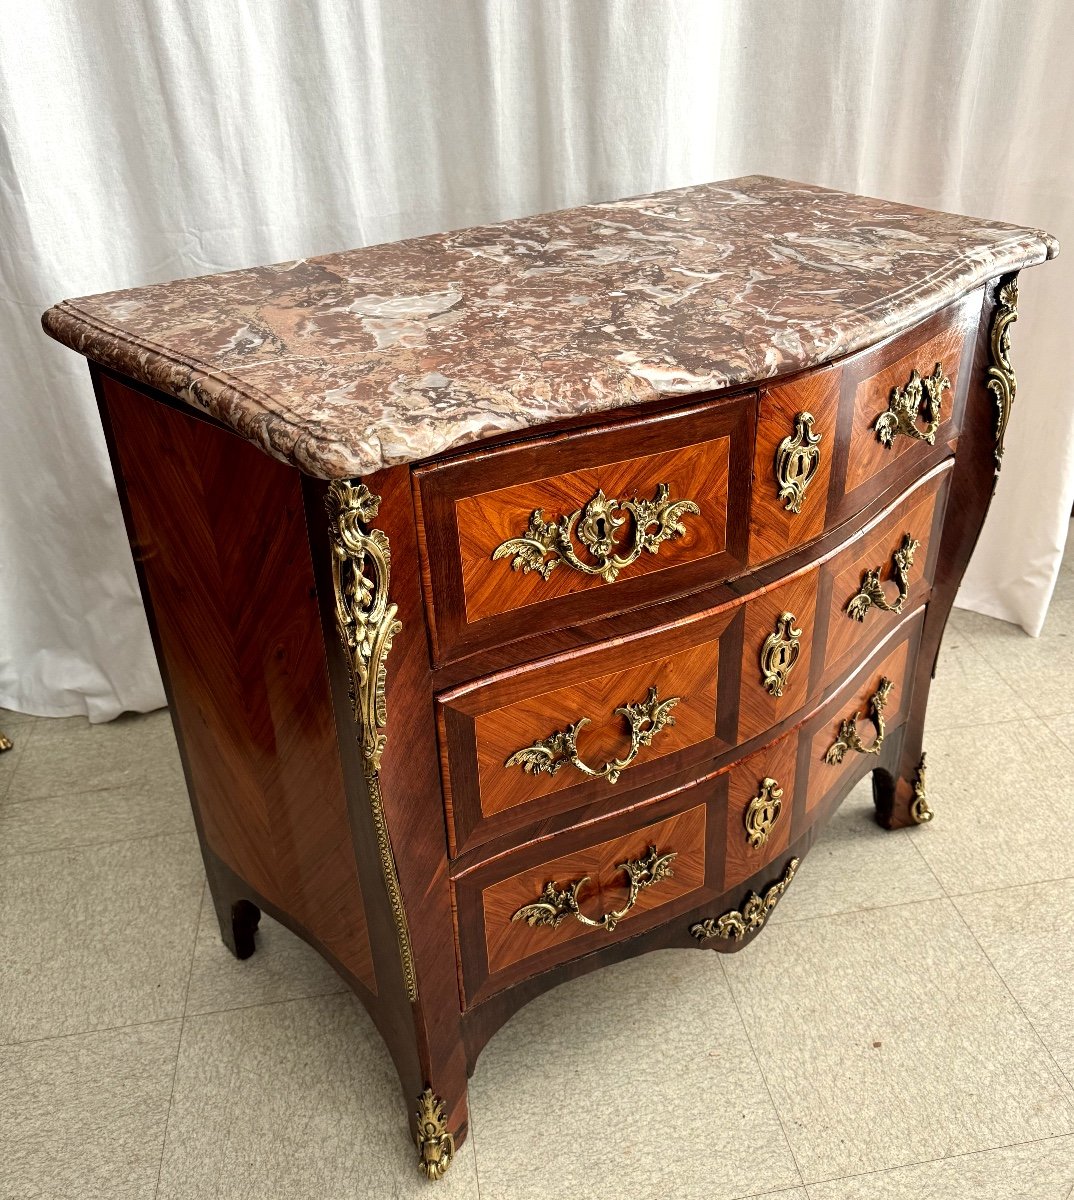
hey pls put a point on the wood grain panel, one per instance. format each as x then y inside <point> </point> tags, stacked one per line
<point>698,473</point>
<point>759,709</point>
<point>917,513</point>
<point>235,609</point>
<point>469,506</point>
<point>867,454</point>
<point>823,777</point>
<point>773,530</point>
<point>483,724</point>
<point>508,941</point>
<point>778,762</point>
<point>690,675</point>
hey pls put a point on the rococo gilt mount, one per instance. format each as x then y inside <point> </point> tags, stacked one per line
<point>563,576</point>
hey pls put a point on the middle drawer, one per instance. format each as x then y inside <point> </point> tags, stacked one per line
<point>560,733</point>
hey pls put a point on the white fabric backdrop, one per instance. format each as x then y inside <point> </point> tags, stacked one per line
<point>142,140</point>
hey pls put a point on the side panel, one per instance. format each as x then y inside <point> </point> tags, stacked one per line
<point>218,531</point>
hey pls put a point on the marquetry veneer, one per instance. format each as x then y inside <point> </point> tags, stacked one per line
<point>541,648</point>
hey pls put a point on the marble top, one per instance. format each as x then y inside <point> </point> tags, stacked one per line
<point>350,362</point>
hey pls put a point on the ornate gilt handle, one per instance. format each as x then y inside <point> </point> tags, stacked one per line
<point>544,544</point>
<point>646,719</point>
<point>848,738</point>
<point>871,594</point>
<point>555,903</point>
<point>920,398</point>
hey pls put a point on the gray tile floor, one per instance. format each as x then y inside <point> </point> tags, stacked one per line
<point>903,1030</point>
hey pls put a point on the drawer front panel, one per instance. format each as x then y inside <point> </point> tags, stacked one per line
<point>551,533</point>
<point>515,913</point>
<point>880,432</point>
<point>510,937</point>
<point>493,526</point>
<point>840,739</point>
<point>761,801</point>
<point>586,727</point>
<point>796,437</point>
<point>884,572</point>
<point>777,654</point>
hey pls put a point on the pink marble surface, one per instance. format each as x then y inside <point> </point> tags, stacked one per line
<point>351,362</point>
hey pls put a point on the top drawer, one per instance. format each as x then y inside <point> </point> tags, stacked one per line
<point>553,532</point>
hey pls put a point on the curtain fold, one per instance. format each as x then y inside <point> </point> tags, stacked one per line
<point>142,140</point>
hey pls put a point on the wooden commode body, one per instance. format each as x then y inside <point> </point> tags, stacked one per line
<point>564,577</point>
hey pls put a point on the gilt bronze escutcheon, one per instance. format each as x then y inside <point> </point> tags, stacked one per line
<point>797,460</point>
<point>779,653</point>
<point>762,812</point>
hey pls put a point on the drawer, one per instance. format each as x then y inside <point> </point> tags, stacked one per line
<point>829,440</point>
<point>565,732</point>
<point>887,570</point>
<point>845,736</point>
<point>552,532</point>
<point>515,914</point>
<point>761,808</point>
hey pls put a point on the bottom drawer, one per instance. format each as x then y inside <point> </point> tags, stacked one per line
<point>847,735</point>
<point>586,887</point>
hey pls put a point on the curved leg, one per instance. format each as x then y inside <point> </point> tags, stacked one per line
<point>238,924</point>
<point>5,742</point>
<point>901,801</point>
<point>237,916</point>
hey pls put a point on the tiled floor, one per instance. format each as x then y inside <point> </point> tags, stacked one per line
<point>903,1030</point>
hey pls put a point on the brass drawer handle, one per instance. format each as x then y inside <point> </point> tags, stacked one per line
<point>762,813</point>
<point>646,719</point>
<point>848,739</point>
<point>871,594</point>
<point>555,903</point>
<point>779,653</point>
<point>734,925</point>
<point>797,460</point>
<point>655,522</point>
<point>919,398</point>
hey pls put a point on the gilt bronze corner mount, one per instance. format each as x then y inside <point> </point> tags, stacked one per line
<point>436,1146</point>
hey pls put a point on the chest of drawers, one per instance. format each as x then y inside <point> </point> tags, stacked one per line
<point>564,576</point>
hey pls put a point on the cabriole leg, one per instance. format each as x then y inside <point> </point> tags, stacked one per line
<point>238,919</point>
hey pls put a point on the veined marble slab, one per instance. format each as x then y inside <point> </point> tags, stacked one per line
<point>350,362</point>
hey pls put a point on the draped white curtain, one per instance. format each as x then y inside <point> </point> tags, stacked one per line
<point>142,140</point>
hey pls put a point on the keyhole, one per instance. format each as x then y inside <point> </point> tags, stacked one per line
<point>601,533</point>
